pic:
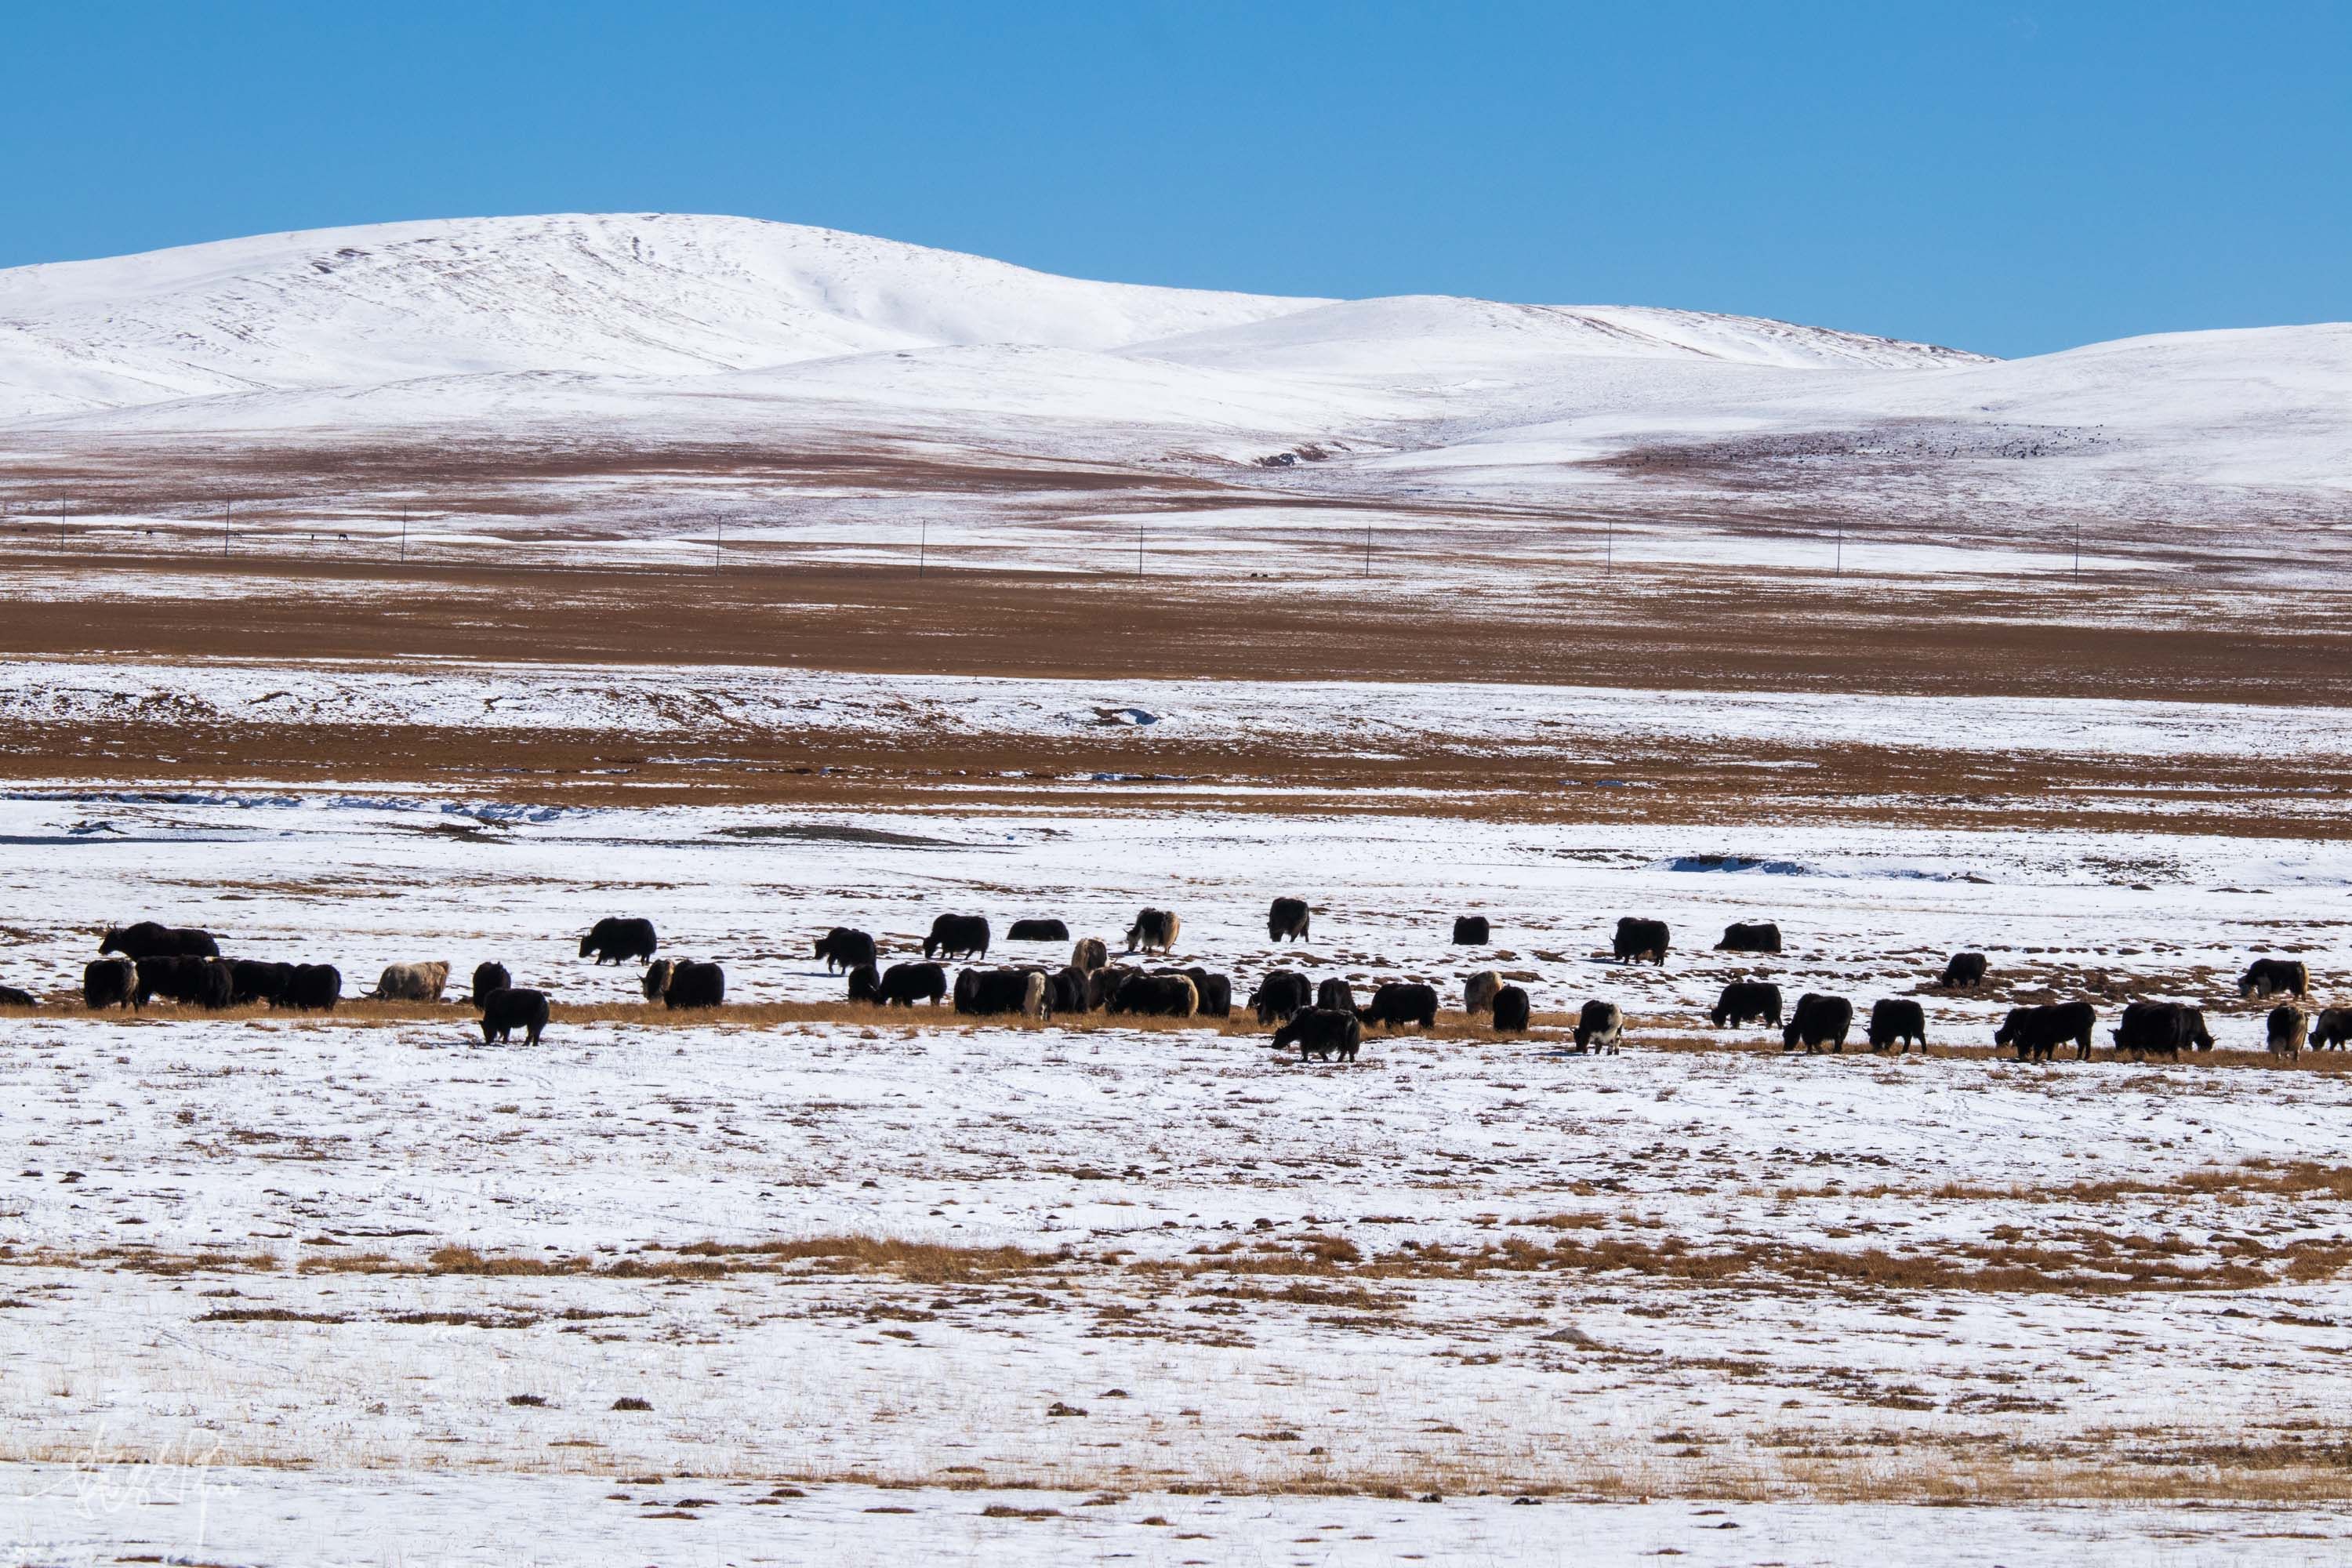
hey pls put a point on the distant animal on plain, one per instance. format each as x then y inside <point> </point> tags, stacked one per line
<point>1103,984</point>
<point>1280,996</point>
<point>992,993</point>
<point>254,980</point>
<point>1471,931</point>
<point>693,985</point>
<point>1744,1000</point>
<point>1818,1021</point>
<point>2038,1032</point>
<point>489,978</point>
<point>1090,954</point>
<point>1214,992</point>
<point>1038,931</point>
<point>1288,920</point>
<point>1963,972</point>
<point>903,984</point>
<point>178,977</point>
<point>1065,990</point>
<point>615,940</point>
<point>845,947</point>
<point>2158,1029</point>
<point>1640,940</point>
<point>412,981</point>
<point>1899,1022</point>
<point>1600,1026</point>
<point>2332,1030</point>
<point>2285,1029</point>
<point>957,936</point>
<point>507,1009</point>
<point>108,983</point>
<point>1478,992</point>
<point>10,996</point>
<point>1511,1011</point>
<point>2269,976</point>
<point>314,988</point>
<point>1336,993</point>
<point>1743,936</point>
<point>1154,931</point>
<point>1396,1003</point>
<point>1167,995</point>
<point>149,939</point>
<point>1321,1033</point>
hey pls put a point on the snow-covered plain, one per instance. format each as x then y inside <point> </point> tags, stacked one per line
<point>1949,1279</point>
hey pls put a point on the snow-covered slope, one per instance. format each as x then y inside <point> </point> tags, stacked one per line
<point>671,295</point>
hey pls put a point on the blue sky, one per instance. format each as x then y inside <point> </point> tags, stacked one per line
<point>2011,178</point>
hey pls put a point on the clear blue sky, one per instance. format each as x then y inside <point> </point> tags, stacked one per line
<point>2011,178</point>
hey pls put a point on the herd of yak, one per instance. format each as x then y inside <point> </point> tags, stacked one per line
<point>141,963</point>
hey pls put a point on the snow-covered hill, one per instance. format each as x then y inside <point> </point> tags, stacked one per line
<point>667,295</point>
<point>641,344</point>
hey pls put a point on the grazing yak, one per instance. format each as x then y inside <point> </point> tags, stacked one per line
<point>252,980</point>
<point>1600,1026</point>
<point>1471,931</point>
<point>1511,1011</point>
<point>1090,954</point>
<point>990,993</point>
<point>2266,975</point>
<point>615,940</point>
<point>957,936</point>
<point>683,983</point>
<point>1478,992</point>
<point>1743,1000</point>
<point>1750,936</point>
<point>1154,931</point>
<point>1898,1022</point>
<point>507,1009</point>
<point>489,978</point>
<point>314,988</point>
<point>903,984</point>
<point>693,985</point>
<point>1638,940</point>
<point>1963,972</point>
<point>1321,1033</point>
<point>1280,996</point>
<point>843,948</point>
<point>2284,1032</point>
<point>199,981</point>
<point>411,983</point>
<point>865,986</point>
<point>1288,920</point>
<point>1215,992</point>
<point>2160,1028</point>
<point>1336,993</point>
<point>2333,1030</point>
<point>1398,1002</point>
<point>149,939</point>
<point>1818,1021</point>
<point>1038,931</point>
<point>10,996</point>
<point>108,983</point>
<point>2037,1032</point>
<point>1103,984</point>
<point>1170,994</point>
<point>1065,990</point>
